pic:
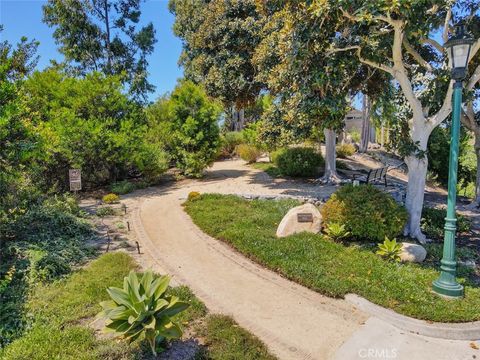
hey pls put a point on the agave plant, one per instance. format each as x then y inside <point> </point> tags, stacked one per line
<point>390,249</point>
<point>142,310</point>
<point>336,231</point>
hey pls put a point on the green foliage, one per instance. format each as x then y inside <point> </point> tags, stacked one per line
<point>331,268</point>
<point>433,223</point>
<point>249,153</point>
<point>194,129</point>
<point>229,142</point>
<point>390,250</point>
<point>345,150</point>
<point>298,161</point>
<point>40,244</point>
<point>88,123</point>
<point>368,213</point>
<point>110,199</point>
<point>219,40</point>
<point>122,187</point>
<point>105,211</point>
<point>336,231</point>
<point>142,309</point>
<point>56,310</point>
<point>103,37</point>
<point>355,135</point>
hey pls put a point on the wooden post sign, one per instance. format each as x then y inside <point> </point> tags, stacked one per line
<point>75,177</point>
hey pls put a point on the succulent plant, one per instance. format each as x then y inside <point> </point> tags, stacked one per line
<point>143,310</point>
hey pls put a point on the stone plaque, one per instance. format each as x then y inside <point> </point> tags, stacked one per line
<point>75,178</point>
<point>305,218</point>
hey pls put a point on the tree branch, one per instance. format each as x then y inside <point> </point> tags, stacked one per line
<point>474,79</point>
<point>416,55</point>
<point>446,25</point>
<point>446,108</point>
<point>362,59</point>
<point>433,43</point>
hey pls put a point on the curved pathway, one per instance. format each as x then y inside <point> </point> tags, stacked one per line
<point>294,322</point>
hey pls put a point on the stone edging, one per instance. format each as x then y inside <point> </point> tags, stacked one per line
<point>450,331</point>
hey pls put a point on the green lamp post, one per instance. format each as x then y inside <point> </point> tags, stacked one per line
<point>459,51</point>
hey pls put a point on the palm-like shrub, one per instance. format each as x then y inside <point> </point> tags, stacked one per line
<point>390,249</point>
<point>142,310</point>
<point>249,153</point>
<point>336,231</point>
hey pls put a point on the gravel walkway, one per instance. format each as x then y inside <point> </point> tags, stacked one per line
<point>294,322</point>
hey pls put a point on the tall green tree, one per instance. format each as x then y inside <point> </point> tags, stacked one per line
<point>399,38</point>
<point>311,88</point>
<point>219,40</point>
<point>91,124</point>
<point>104,35</point>
<point>191,118</point>
<point>17,141</point>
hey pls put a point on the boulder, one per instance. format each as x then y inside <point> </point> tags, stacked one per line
<point>299,219</point>
<point>413,252</point>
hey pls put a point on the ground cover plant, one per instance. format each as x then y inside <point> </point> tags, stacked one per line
<point>329,267</point>
<point>61,312</point>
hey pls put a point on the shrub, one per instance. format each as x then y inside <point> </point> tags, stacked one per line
<point>345,150</point>
<point>105,211</point>
<point>110,199</point>
<point>229,143</point>
<point>336,231</point>
<point>390,250</point>
<point>366,212</point>
<point>433,222</point>
<point>249,153</point>
<point>142,309</point>
<point>194,129</point>
<point>298,161</point>
<point>193,195</point>
<point>355,135</point>
<point>122,187</point>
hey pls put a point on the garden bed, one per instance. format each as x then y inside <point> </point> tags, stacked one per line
<point>62,312</point>
<point>333,269</point>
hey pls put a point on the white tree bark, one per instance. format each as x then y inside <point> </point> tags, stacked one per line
<point>330,176</point>
<point>366,127</point>
<point>477,182</point>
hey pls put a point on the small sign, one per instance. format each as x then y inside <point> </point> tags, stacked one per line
<point>305,218</point>
<point>75,177</point>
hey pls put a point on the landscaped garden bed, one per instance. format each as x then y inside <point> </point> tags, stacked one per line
<point>63,313</point>
<point>329,267</point>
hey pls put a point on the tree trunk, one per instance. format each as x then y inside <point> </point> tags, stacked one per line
<point>365,125</point>
<point>417,173</point>
<point>330,175</point>
<point>476,202</point>
<point>238,119</point>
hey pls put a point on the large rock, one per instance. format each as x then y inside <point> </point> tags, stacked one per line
<point>299,219</point>
<point>413,252</point>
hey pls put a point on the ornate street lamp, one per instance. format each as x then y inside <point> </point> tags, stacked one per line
<point>458,48</point>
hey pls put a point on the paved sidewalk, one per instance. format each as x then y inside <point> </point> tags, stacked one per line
<point>294,322</point>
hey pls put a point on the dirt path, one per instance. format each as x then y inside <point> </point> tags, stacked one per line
<point>294,322</point>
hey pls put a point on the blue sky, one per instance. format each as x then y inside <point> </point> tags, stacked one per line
<point>24,18</point>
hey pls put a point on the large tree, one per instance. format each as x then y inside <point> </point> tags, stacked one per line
<point>400,39</point>
<point>104,35</point>
<point>312,89</point>
<point>219,40</point>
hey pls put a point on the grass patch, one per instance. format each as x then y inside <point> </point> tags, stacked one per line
<point>61,309</point>
<point>268,167</point>
<point>226,340</point>
<point>325,266</point>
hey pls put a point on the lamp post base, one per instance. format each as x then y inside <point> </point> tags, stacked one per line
<point>454,290</point>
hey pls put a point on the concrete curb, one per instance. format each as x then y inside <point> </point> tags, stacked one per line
<point>450,331</point>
